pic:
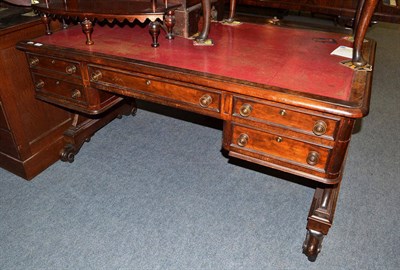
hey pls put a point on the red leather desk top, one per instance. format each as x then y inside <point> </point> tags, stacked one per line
<point>283,57</point>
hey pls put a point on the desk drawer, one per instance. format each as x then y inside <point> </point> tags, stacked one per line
<point>271,113</point>
<point>261,143</point>
<point>155,89</point>
<point>65,67</point>
<point>59,90</point>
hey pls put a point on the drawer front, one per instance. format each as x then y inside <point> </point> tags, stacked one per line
<point>3,119</point>
<point>263,143</point>
<point>132,83</point>
<point>54,64</point>
<point>271,113</point>
<point>7,144</point>
<point>60,90</point>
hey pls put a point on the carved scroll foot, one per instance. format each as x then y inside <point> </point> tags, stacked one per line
<point>46,21</point>
<point>169,21</point>
<point>154,30</point>
<point>87,28</point>
<point>320,219</point>
<point>67,154</point>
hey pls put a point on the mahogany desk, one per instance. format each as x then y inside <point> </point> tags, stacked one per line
<point>286,103</point>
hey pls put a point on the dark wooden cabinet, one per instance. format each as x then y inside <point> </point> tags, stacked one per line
<point>31,131</point>
<point>341,8</point>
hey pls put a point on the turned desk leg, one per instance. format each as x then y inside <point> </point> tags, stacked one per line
<point>46,21</point>
<point>232,11</point>
<point>169,20</point>
<point>154,30</point>
<point>320,219</point>
<point>202,38</point>
<point>365,10</point>
<point>87,28</point>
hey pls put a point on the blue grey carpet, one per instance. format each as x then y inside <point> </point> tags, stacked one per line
<point>154,191</point>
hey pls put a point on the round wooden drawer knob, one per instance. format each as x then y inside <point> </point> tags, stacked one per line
<point>96,75</point>
<point>320,128</point>
<point>313,158</point>
<point>205,101</point>
<point>245,110</point>
<point>39,84</point>
<point>243,140</point>
<point>76,94</point>
<point>33,61</point>
<point>71,69</point>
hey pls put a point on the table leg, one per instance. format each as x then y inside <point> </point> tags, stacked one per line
<point>154,30</point>
<point>203,37</point>
<point>320,219</point>
<point>169,20</point>
<point>232,11</point>
<point>83,128</point>
<point>87,28</point>
<point>364,13</point>
<point>46,21</point>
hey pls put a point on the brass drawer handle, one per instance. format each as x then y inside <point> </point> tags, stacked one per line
<point>96,75</point>
<point>33,61</point>
<point>39,84</point>
<point>71,69</point>
<point>320,128</point>
<point>279,139</point>
<point>245,110</point>
<point>148,82</point>
<point>205,101</point>
<point>76,94</point>
<point>313,158</point>
<point>283,112</point>
<point>243,140</point>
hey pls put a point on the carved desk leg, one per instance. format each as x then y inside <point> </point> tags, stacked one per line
<point>83,128</point>
<point>364,13</point>
<point>154,30</point>
<point>203,37</point>
<point>232,11</point>
<point>46,21</point>
<point>320,219</point>
<point>87,28</point>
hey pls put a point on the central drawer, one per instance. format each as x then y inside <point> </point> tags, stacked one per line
<point>155,89</point>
